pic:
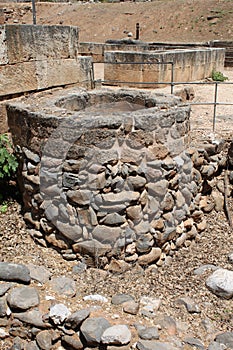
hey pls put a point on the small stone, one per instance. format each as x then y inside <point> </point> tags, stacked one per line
<point>44,340</point>
<point>93,328</point>
<point>134,212</point>
<point>144,243</point>
<point>190,305</point>
<point>3,307</point>
<point>225,338</point>
<point>118,299</point>
<point>79,268</point>
<point>149,333</point>
<point>168,323</point>
<point>113,219</point>
<point>158,189</point>
<point>14,272</point>
<point>76,319</point>
<point>95,297</point>
<point>81,197</point>
<point>63,286</point>
<point>137,182</point>
<point>116,335</point>
<point>118,266</point>
<point>23,298</point>
<point>58,313</point>
<point>131,307</point>
<point>92,247</point>
<point>216,346</point>
<point>32,317</point>
<point>106,234</point>
<point>72,342</point>
<point>201,226</point>
<point>150,304</point>
<point>221,283</point>
<point>154,345</point>
<point>39,273</point>
<point>4,287</point>
<point>151,257</point>
<point>203,268</point>
<point>196,343</point>
<point>3,334</point>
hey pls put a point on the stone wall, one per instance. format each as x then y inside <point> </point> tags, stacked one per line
<point>189,65</point>
<point>36,57</point>
<point>106,174</point>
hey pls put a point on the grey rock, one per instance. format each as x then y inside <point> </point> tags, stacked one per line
<point>31,346</point>
<point>76,319</point>
<point>93,328</point>
<point>144,243</point>
<point>196,343</point>
<point>31,155</point>
<point>72,342</point>
<point>189,303</point>
<point>106,234</point>
<point>63,286</point>
<point>39,273</point>
<point>149,333</point>
<point>32,317</point>
<point>3,307</point>
<point>81,197</point>
<point>92,247</point>
<point>154,345</point>
<point>216,346</point>
<point>4,287</point>
<point>118,299</point>
<point>71,232</point>
<point>116,335</point>
<point>79,268</point>
<point>131,307</point>
<point>203,268</point>
<point>3,334</point>
<point>137,182</point>
<point>159,188</point>
<point>23,298</point>
<point>225,338</point>
<point>123,197</point>
<point>113,219</point>
<point>221,283</point>
<point>18,344</point>
<point>58,313</point>
<point>14,272</point>
<point>134,212</point>
<point>44,340</point>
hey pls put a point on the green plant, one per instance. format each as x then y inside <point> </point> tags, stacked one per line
<point>218,76</point>
<point>8,161</point>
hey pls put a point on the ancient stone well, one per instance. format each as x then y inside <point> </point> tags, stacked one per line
<point>105,173</point>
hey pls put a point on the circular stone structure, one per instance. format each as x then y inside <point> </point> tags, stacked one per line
<point>105,173</point>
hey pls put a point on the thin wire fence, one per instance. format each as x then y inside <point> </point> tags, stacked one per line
<point>172,84</point>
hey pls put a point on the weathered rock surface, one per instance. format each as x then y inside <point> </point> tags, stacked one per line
<point>221,283</point>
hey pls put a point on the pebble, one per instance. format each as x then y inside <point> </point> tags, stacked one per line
<point>58,313</point>
<point>148,333</point>
<point>116,335</point>
<point>93,328</point>
<point>131,307</point>
<point>75,319</point>
<point>63,286</point>
<point>14,272</point>
<point>23,298</point>
<point>95,297</point>
<point>189,303</point>
<point>221,283</point>
<point>118,299</point>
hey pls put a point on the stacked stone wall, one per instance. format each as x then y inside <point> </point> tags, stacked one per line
<point>108,174</point>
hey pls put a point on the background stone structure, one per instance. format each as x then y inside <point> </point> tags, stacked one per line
<point>36,57</point>
<point>189,65</point>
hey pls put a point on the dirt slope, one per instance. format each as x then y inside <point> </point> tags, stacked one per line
<point>160,20</point>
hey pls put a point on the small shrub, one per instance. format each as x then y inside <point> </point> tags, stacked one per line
<point>8,161</point>
<point>218,76</point>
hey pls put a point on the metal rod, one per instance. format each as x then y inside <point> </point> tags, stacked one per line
<point>215,105</point>
<point>137,31</point>
<point>172,78</point>
<point>34,11</point>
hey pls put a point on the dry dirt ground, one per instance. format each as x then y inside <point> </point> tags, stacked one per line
<point>160,20</point>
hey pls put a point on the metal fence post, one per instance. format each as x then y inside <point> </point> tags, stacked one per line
<point>215,104</point>
<point>34,11</point>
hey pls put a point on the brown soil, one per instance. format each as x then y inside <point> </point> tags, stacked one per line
<point>160,20</point>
